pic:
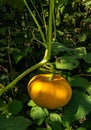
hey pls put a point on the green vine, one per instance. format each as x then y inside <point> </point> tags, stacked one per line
<point>47,54</point>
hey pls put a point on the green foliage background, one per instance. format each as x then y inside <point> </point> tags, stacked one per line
<point>21,46</point>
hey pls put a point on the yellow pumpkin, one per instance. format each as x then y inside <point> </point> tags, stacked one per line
<point>49,92</point>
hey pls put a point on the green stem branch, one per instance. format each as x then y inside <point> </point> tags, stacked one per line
<point>49,47</point>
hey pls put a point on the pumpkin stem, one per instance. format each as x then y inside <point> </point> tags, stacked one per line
<point>51,76</point>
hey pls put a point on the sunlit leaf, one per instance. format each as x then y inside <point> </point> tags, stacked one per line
<point>82,37</point>
<point>67,62</point>
<point>88,70</point>
<point>55,117</point>
<point>79,52</point>
<point>38,114</point>
<point>31,103</point>
<point>89,90</point>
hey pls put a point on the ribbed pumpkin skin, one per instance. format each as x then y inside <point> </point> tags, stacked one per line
<point>48,93</point>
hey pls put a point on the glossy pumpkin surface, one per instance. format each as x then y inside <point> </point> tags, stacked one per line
<point>49,93</point>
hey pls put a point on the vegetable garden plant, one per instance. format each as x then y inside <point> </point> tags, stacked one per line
<point>57,95</point>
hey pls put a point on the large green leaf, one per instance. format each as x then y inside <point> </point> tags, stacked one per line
<point>14,123</point>
<point>80,82</point>
<point>59,47</point>
<point>78,108</point>
<point>15,107</point>
<point>67,62</point>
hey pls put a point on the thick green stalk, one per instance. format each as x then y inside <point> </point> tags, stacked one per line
<point>49,44</point>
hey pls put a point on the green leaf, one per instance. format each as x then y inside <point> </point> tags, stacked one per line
<point>87,123</point>
<point>15,107</point>
<point>59,47</point>
<point>38,114</point>
<point>81,128</point>
<point>14,123</point>
<point>79,52</point>
<point>31,103</point>
<point>67,62</point>
<point>55,117</point>
<point>28,50</point>
<point>1,2</point>
<point>10,49</point>
<point>3,107</point>
<point>82,37</point>
<point>63,1</point>
<point>89,90</point>
<point>1,87</point>
<point>79,82</point>
<point>78,107</point>
<point>16,4</point>
<point>87,3</point>
<point>87,58</point>
<point>19,55</point>
<point>54,120</point>
<point>3,31</point>
<point>87,20</point>
<point>43,128</point>
<point>88,70</point>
